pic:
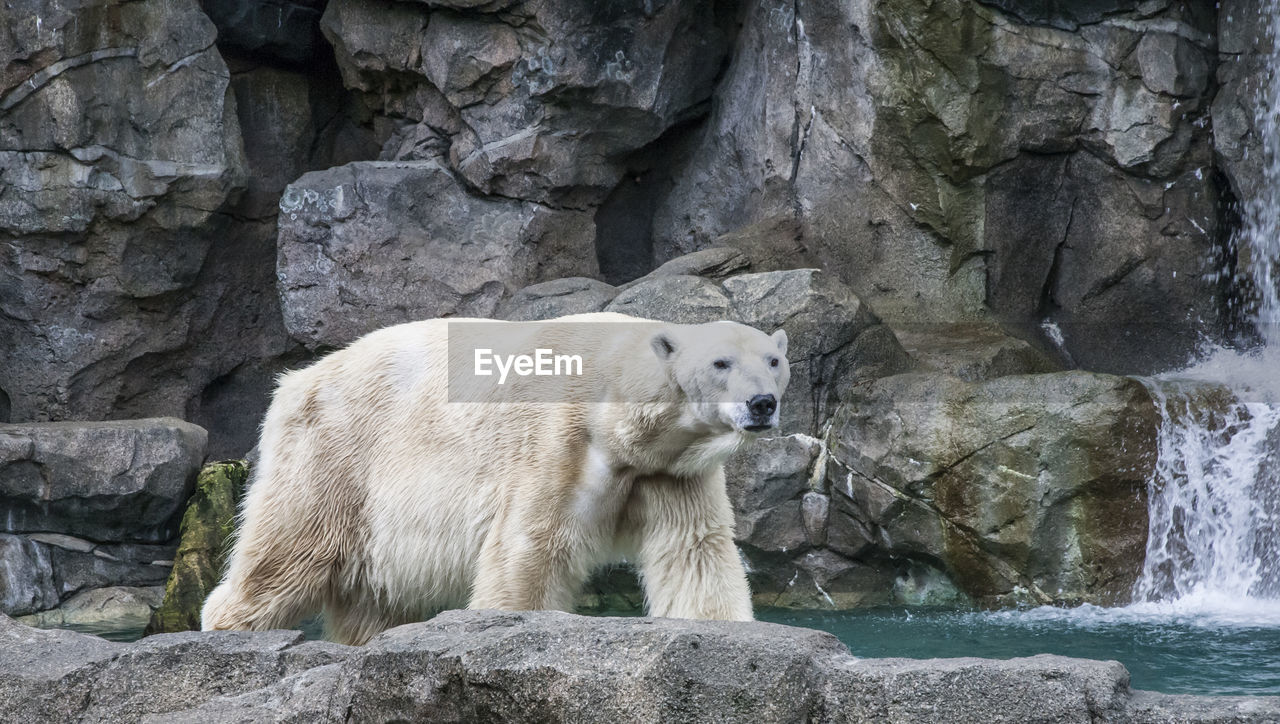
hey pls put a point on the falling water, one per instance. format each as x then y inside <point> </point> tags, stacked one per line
<point>1213,542</point>
<point>1214,508</point>
<point>1260,228</point>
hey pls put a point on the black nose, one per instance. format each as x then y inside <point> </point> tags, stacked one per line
<point>762,405</point>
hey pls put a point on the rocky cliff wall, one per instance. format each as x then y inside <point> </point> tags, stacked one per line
<point>196,196</point>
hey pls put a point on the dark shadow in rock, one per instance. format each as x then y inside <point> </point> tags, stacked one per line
<point>281,31</point>
<point>624,222</point>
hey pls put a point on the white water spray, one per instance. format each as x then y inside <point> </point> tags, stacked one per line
<point>1212,540</point>
<point>1213,546</point>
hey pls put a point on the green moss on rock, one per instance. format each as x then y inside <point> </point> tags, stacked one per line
<point>205,533</point>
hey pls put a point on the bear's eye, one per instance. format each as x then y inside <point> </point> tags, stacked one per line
<point>773,362</point>
<point>721,364</point>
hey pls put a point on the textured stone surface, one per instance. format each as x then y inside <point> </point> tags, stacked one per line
<point>558,298</point>
<point>106,481</point>
<point>140,226</point>
<point>974,352</point>
<point>1244,46</point>
<point>119,143</point>
<point>550,666</point>
<point>1245,85</point>
<point>207,527</point>
<point>371,244</point>
<point>540,103</point>
<point>42,572</point>
<point>1030,486</point>
<point>947,160</point>
<point>116,606</point>
<point>291,121</point>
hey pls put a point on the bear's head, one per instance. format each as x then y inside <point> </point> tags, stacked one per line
<point>732,375</point>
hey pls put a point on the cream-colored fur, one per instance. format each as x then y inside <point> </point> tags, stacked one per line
<point>380,501</point>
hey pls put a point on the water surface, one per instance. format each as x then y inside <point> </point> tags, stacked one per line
<point>1164,648</point>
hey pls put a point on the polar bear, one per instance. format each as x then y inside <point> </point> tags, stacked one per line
<point>387,492</point>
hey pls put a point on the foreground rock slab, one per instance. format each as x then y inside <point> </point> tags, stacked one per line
<point>551,666</point>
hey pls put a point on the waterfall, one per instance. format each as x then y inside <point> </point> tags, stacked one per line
<point>1213,539</point>
<point>1260,209</point>
<point>1213,542</point>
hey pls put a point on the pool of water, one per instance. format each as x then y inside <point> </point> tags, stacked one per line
<point>1165,649</point>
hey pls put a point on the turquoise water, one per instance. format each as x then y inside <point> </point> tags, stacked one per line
<point>1164,651</point>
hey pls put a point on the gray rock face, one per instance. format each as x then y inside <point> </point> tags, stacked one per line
<point>91,505</point>
<point>1244,46</point>
<point>291,122</point>
<point>371,244</point>
<point>973,352</point>
<point>106,481</point>
<point>26,576</point>
<point>783,523</point>
<point>1038,173</point>
<point>510,103</point>
<point>109,217</point>
<point>1069,15</point>
<point>42,571</point>
<point>558,298</point>
<point>929,490</point>
<point>833,336</point>
<point>550,666</point>
<point>1245,78</point>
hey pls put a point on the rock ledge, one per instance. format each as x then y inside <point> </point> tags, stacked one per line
<point>551,666</point>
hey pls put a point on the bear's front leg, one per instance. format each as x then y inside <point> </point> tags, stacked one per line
<point>528,563</point>
<point>688,562</point>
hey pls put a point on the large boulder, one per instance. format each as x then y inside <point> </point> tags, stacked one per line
<point>1030,487</point>
<point>946,159</point>
<point>114,607</point>
<point>551,666</point>
<point>974,351</point>
<point>106,481</point>
<point>371,244</point>
<point>64,676</point>
<point>926,489</point>
<point>89,505</point>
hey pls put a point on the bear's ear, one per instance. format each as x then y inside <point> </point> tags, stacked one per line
<point>663,344</point>
<point>780,338</point>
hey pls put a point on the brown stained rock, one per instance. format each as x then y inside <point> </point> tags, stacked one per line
<point>1025,486</point>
